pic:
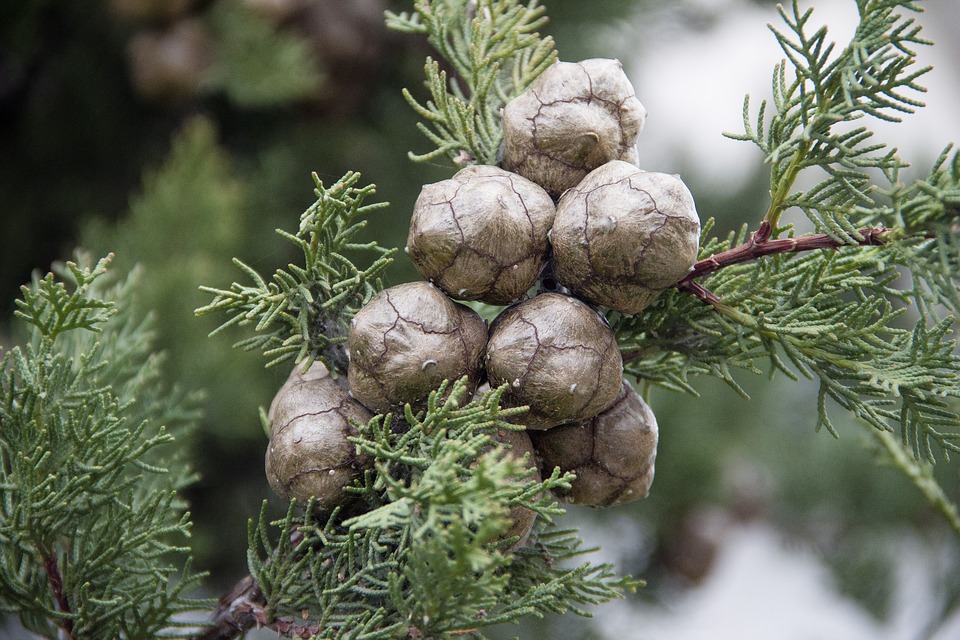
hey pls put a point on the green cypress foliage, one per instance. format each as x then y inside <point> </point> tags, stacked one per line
<point>91,523</point>
<point>495,51</point>
<point>425,560</point>
<point>91,526</point>
<point>304,311</point>
<point>866,306</point>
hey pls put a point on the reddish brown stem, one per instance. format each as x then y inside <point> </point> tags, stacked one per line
<point>758,245</point>
<point>55,580</point>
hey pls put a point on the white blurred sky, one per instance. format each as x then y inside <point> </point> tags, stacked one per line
<point>766,586</point>
<point>693,82</point>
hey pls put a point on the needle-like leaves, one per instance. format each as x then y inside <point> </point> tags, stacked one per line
<point>303,312</point>
<point>494,51</point>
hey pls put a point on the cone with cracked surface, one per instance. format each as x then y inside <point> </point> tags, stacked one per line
<point>612,455</point>
<point>558,356</point>
<point>623,235</point>
<point>309,455</point>
<point>407,340</point>
<point>573,118</point>
<point>481,235</point>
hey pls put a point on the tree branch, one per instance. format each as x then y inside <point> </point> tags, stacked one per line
<point>758,245</point>
<point>55,580</point>
<point>238,611</point>
<point>244,608</point>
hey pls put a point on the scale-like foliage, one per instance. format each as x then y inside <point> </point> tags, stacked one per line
<point>53,309</point>
<point>90,519</point>
<point>495,52</point>
<point>426,559</point>
<point>926,216</point>
<point>304,312</point>
<point>833,316</point>
<point>867,306</point>
<point>816,97</point>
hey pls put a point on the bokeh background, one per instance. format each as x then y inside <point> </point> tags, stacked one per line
<point>180,133</point>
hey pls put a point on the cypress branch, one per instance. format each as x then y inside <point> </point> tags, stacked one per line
<point>824,306</point>
<point>872,75</point>
<point>55,580</point>
<point>89,514</point>
<point>495,52</point>
<point>759,245</point>
<point>304,311</point>
<point>831,315</point>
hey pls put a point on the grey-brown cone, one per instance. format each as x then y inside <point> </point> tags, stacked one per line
<point>407,340</point>
<point>309,455</point>
<point>481,235</point>
<point>624,235</point>
<point>559,358</point>
<point>612,455</point>
<point>573,118</point>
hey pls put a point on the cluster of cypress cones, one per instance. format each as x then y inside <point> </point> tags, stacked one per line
<point>566,226</point>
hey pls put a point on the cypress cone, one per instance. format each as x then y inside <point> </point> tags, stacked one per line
<point>612,454</point>
<point>407,340</point>
<point>309,455</point>
<point>573,118</point>
<point>482,235</point>
<point>558,356</point>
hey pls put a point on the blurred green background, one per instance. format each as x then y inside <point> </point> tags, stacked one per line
<point>180,133</point>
